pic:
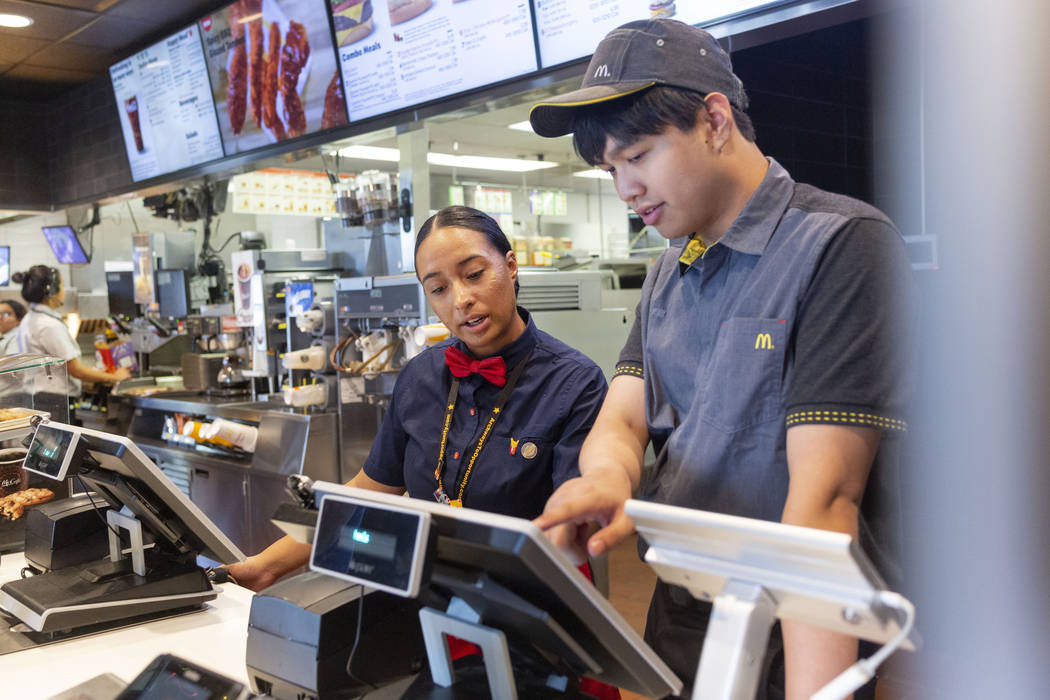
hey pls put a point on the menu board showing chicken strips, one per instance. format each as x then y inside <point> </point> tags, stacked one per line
<point>273,71</point>
<point>165,106</point>
<point>401,53</point>
<point>570,29</point>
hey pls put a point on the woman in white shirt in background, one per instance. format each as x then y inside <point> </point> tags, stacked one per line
<point>43,332</point>
<point>11,313</point>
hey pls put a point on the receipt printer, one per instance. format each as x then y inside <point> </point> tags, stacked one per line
<point>301,631</point>
<point>66,532</point>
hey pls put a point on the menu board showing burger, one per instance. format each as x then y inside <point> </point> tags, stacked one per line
<point>401,53</point>
<point>273,71</point>
<point>570,29</point>
<point>166,112</point>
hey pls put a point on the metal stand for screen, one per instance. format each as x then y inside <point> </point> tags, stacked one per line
<point>128,522</point>
<point>754,572</point>
<point>460,620</point>
<point>731,661</point>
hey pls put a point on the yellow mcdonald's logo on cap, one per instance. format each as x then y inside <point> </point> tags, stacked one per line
<point>764,341</point>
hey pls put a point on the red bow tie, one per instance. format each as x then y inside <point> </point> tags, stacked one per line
<point>461,364</point>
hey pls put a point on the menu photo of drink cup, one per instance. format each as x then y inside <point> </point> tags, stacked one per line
<point>142,270</point>
<point>243,262</point>
<point>131,108</point>
<point>135,124</point>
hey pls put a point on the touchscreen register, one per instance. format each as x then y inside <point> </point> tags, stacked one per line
<point>51,452</point>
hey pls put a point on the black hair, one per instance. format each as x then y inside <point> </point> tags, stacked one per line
<point>471,219</point>
<point>646,113</point>
<point>20,311</point>
<point>39,283</point>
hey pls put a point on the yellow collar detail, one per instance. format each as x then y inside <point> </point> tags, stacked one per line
<point>694,249</point>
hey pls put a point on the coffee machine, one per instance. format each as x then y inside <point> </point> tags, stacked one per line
<point>381,324</point>
<point>260,279</point>
<point>217,355</point>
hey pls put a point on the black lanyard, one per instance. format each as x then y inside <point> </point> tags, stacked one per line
<point>450,406</point>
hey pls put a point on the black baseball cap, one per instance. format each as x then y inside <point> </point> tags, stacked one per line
<point>637,56</point>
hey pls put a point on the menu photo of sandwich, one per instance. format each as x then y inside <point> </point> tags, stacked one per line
<point>272,69</point>
<point>662,8</point>
<point>404,10</point>
<point>352,19</point>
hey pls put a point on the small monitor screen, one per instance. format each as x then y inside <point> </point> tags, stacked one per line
<point>173,293</point>
<point>51,452</point>
<point>379,547</point>
<point>170,677</point>
<point>120,286</point>
<point>65,244</point>
<point>5,265</point>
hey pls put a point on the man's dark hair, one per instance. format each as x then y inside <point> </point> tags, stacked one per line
<point>16,306</point>
<point>646,113</point>
<point>471,219</point>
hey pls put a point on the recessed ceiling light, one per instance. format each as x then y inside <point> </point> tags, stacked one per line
<point>516,165</point>
<point>527,126</point>
<point>596,173</point>
<point>16,21</point>
<point>391,155</point>
<point>513,165</point>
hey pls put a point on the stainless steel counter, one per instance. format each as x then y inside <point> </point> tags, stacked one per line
<point>238,490</point>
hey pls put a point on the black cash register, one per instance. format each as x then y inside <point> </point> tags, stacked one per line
<point>157,574</point>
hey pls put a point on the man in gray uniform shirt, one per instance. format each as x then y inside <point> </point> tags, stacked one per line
<point>769,360</point>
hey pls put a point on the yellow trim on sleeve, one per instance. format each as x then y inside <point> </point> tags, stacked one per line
<point>629,370</point>
<point>846,418</point>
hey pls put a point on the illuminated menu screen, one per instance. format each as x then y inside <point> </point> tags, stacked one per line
<point>273,71</point>
<point>401,53</point>
<point>165,106</point>
<point>571,29</point>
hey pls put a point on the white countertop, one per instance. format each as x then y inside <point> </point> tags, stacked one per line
<point>214,638</point>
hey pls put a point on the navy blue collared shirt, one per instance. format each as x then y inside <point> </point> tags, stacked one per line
<point>534,446</point>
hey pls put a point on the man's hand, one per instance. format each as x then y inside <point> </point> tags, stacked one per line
<point>610,468</point>
<point>597,497</point>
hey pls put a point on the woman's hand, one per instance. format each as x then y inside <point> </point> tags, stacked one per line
<point>252,574</point>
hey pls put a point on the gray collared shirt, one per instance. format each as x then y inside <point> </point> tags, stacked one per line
<point>728,345</point>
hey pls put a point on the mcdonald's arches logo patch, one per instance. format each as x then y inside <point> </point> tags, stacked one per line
<point>764,341</point>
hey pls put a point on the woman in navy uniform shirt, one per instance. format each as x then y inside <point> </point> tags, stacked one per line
<point>507,461</point>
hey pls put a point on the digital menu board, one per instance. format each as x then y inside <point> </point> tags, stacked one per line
<point>399,53</point>
<point>273,71</point>
<point>165,106</point>
<point>571,29</point>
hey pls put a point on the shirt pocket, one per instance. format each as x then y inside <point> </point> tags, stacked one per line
<point>514,475</point>
<point>745,375</point>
